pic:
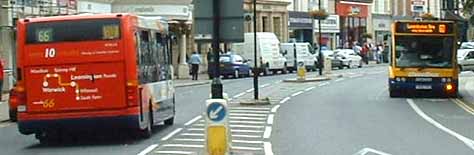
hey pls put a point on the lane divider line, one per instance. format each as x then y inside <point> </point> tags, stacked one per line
<point>265,85</point>
<point>275,108</point>
<point>297,93</point>
<point>270,119</point>
<point>171,134</point>
<point>284,100</point>
<point>267,146</point>
<point>309,89</point>
<point>465,140</point>
<point>323,84</point>
<point>249,90</point>
<point>239,95</point>
<point>148,149</point>
<point>183,145</point>
<point>189,139</point>
<point>193,120</point>
<point>268,132</point>
<point>338,80</point>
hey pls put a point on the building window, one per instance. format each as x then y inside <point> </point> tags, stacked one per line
<point>265,24</point>
<point>89,6</point>
<point>277,27</point>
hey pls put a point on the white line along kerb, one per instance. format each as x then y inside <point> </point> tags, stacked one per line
<point>148,149</point>
<point>275,108</point>
<point>309,89</point>
<point>297,93</point>
<point>267,146</point>
<point>239,95</point>
<point>171,134</point>
<point>268,132</point>
<point>467,141</point>
<point>193,120</point>
<point>284,100</point>
<point>270,119</point>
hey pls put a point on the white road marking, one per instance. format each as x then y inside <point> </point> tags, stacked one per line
<point>323,84</point>
<point>249,90</point>
<point>284,100</point>
<point>246,131</point>
<point>246,148</point>
<point>248,108</point>
<point>338,80</point>
<point>6,124</point>
<point>246,126</point>
<point>246,122</point>
<point>171,134</point>
<point>239,95</point>
<point>247,136</point>
<point>270,119</point>
<point>309,89</point>
<point>279,81</point>
<point>249,111</point>
<point>467,141</point>
<point>183,145</point>
<point>174,152</point>
<point>193,120</point>
<point>463,106</point>
<point>246,118</point>
<point>247,142</point>
<point>189,139</point>
<point>265,85</point>
<point>196,129</point>
<point>192,134</point>
<point>148,149</point>
<point>267,146</point>
<point>275,108</point>
<point>355,76</point>
<point>244,114</point>
<point>268,132</point>
<point>297,93</point>
<point>370,150</point>
<point>199,124</point>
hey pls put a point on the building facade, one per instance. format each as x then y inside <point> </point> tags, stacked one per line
<point>381,20</point>
<point>272,16</point>
<point>354,18</point>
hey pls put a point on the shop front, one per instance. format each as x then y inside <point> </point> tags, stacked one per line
<point>300,27</point>
<point>330,30</point>
<point>353,18</point>
<point>381,25</point>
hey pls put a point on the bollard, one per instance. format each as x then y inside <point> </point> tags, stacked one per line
<point>217,127</point>
<point>301,71</point>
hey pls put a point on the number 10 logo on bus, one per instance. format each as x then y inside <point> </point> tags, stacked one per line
<point>50,53</point>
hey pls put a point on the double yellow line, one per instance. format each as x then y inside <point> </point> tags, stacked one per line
<point>464,106</point>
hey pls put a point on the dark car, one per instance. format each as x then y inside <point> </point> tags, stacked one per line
<point>232,65</point>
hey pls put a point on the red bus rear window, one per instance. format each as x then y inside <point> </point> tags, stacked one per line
<point>70,31</point>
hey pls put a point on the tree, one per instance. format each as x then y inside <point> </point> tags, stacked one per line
<point>469,10</point>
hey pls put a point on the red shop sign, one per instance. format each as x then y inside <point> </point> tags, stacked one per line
<point>354,10</point>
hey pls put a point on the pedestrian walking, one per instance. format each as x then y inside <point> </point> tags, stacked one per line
<point>195,61</point>
<point>2,63</point>
<point>364,52</point>
<point>380,50</point>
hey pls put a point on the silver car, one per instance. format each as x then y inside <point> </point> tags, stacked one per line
<point>466,56</point>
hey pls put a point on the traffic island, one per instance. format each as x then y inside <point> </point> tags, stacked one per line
<point>265,101</point>
<point>299,80</point>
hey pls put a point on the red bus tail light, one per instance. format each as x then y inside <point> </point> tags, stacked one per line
<point>132,93</point>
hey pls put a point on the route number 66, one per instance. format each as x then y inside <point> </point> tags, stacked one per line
<point>48,103</point>
<point>50,53</point>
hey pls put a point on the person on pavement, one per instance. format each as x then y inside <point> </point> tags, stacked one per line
<point>1,76</point>
<point>195,61</point>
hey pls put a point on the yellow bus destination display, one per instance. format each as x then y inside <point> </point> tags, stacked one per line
<point>424,28</point>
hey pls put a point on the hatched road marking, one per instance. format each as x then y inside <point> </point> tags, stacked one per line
<point>463,106</point>
<point>148,149</point>
<point>171,134</point>
<point>193,120</point>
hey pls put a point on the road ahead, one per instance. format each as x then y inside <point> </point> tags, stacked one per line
<point>348,115</point>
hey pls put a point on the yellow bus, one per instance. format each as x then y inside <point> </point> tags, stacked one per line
<point>423,58</point>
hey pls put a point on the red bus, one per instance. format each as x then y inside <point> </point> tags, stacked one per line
<point>85,72</point>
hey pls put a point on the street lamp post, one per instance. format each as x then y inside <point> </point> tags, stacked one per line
<point>320,55</point>
<point>255,70</point>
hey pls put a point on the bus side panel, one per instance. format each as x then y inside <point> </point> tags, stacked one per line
<point>160,95</point>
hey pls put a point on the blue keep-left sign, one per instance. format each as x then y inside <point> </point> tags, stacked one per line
<point>216,112</point>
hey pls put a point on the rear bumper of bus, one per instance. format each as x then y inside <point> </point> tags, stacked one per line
<point>77,121</point>
<point>422,89</point>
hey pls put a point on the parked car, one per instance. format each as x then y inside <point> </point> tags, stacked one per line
<point>466,59</point>
<point>232,65</point>
<point>336,61</point>
<point>349,58</point>
<point>304,52</point>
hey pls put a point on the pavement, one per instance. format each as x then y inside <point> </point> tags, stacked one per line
<point>4,108</point>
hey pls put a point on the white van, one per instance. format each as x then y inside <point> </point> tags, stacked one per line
<point>304,53</point>
<point>269,57</point>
